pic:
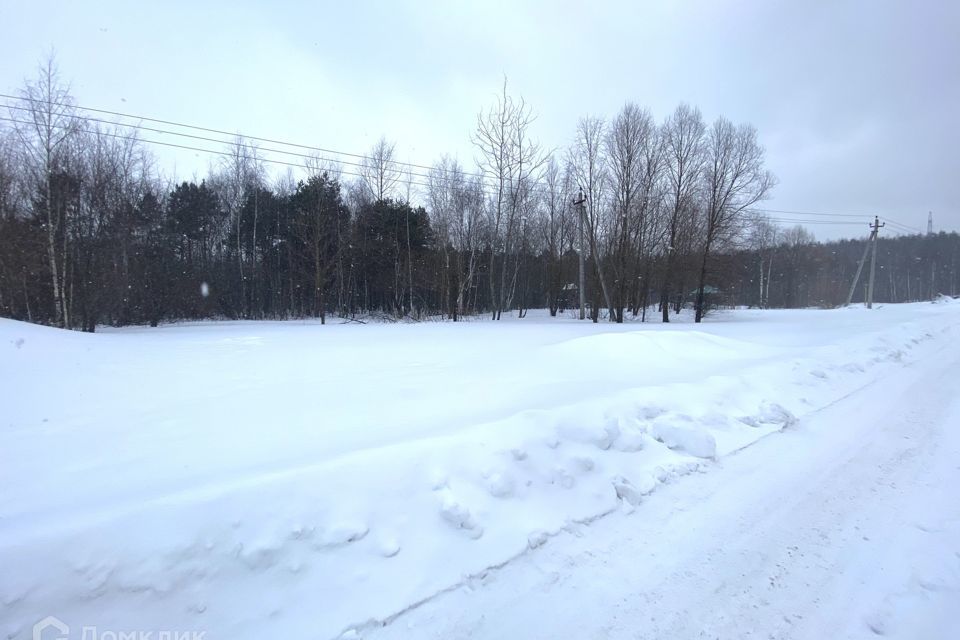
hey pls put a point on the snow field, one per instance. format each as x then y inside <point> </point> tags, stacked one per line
<point>285,521</point>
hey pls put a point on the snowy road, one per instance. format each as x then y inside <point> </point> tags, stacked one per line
<point>847,525</point>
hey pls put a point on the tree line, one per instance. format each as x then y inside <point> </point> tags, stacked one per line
<point>788,268</point>
<point>92,233</point>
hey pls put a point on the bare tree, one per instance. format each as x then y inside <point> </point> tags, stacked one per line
<point>634,160</point>
<point>457,207</point>
<point>380,171</point>
<point>441,191</point>
<point>510,162</point>
<point>316,165</point>
<point>589,164</point>
<point>794,245</point>
<point>556,226</point>
<point>764,238</point>
<point>241,172</point>
<point>382,177</point>
<point>44,131</point>
<point>285,186</point>
<point>683,138</point>
<point>14,292</point>
<point>408,190</point>
<point>650,240</point>
<point>114,169</point>
<point>734,180</point>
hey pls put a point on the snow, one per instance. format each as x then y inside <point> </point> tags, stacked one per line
<point>282,479</point>
<point>847,525</point>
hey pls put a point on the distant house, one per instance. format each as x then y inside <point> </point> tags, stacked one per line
<point>713,297</point>
<point>569,297</point>
<point>708,290</point>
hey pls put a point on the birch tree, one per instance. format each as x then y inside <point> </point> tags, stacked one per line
<point>380,172</point>
<point>510,162</point>
<point>45,125</point>
<point>241,172</point>
<point>764,237</point>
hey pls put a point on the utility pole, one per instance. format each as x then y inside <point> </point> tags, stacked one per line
<point>873,260</point>
<point>856,278</point>
<point>578,203</point>
<point>871,244</point>
<point>933,262</point>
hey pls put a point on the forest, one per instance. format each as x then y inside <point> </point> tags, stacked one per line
<point>647,219</point>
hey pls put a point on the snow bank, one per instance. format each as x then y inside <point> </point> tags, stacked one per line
<point>276,479</point>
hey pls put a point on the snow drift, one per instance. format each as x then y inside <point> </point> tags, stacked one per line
<point>281,479</point>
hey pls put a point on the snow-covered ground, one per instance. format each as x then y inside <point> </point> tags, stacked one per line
<point>522,478</point>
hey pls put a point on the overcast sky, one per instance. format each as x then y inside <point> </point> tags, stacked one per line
<point>857,103</point>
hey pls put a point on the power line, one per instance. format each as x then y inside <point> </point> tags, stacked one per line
<point>234,143</point>
<point>858,216</point>
<point>901,227</point>
<point>446,175</point>
<point>220,132</point>
<point>848,223</point>
<point>812,213</point>
<point>536,187</point>
<point>484,190</point>
<point>898,224</point>
<point>803,222</point>
<point>189,148</point>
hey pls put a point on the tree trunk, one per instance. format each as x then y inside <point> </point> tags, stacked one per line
<point>702,283</point>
